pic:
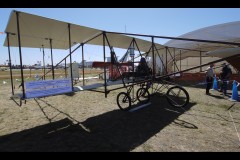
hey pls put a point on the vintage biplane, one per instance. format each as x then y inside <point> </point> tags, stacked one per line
<point>32,31</point>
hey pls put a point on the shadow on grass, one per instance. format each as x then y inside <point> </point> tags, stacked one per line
<point>111,131</point>
<point>216,96</point>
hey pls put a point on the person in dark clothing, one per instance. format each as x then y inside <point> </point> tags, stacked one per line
<point>143,69</point>
<point>209,78</point>
<point>225,75</point>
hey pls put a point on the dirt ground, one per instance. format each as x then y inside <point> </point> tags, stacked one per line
<point>87,121</point>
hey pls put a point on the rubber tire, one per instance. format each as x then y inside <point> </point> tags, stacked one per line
<point>184,91</point>
<point>129,101</point>
<point>148,95</point>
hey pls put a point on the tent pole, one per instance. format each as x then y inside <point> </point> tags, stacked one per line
<point>20,54</point>
<point>50,40</point>
<point>43,63</point>
<point>133,47</point>
<point>65,67</point>
<point>83,65</point>
<point>69,33</point>
<point>10,62</point>
<point>153,60</point>
<point>104,58</point>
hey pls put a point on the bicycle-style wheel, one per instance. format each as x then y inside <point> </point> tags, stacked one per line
<point>143,95</point>
<point>123,101</point>
<point>177,96</point>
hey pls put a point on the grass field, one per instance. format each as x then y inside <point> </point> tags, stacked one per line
<point>87,121</point>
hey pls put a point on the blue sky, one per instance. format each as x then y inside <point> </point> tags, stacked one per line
<point>155,21</point>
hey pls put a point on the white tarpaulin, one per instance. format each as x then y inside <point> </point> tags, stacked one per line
<point>36,31</point>
<point>222,53</point>
<point>227,32</point>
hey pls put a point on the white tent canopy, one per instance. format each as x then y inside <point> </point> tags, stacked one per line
<point>36,30</point>
<point>227,32</point>
<point>222,53</point>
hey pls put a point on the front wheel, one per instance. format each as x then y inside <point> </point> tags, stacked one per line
<point>177,96</point>
<point>143,95</point>
<point>123,101</point>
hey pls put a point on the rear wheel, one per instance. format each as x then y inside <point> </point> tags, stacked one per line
<point>123,101</point>
<point>177,96</point>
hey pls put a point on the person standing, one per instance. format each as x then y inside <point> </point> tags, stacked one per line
<point>225,75</point>
<point>209,78</point>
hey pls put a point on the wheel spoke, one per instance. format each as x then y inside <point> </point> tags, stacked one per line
<point>123,101</point>
<point>172,100</point>
<point>177,96</point>
<point>143,95</point>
